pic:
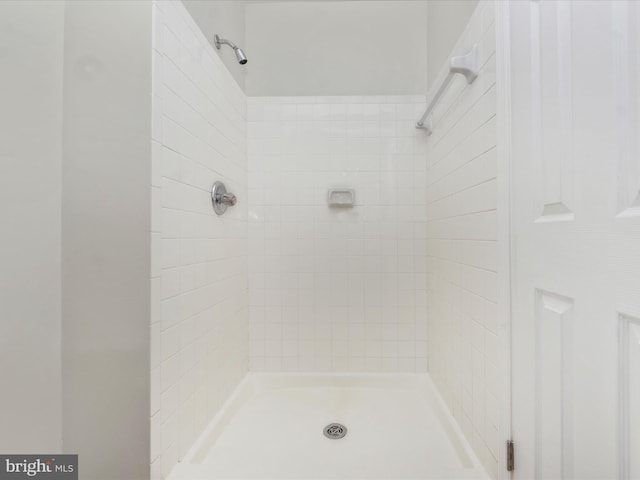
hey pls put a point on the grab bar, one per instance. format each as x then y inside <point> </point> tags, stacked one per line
<point>466,65</point>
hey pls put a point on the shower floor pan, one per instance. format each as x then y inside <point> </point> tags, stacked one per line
<point>273,425</point>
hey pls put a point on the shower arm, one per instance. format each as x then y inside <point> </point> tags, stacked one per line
<point>223,41</point>
<point>240,55</point>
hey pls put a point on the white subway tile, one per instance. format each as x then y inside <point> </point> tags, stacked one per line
<point>460,191</point>
<point>192,249</point>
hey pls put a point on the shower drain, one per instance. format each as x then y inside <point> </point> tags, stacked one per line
<point>335,431</point>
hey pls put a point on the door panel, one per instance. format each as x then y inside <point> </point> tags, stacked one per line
<point>552,101</point>
<point>630,395</point>
<point>626,69</point>
<point>553,324</point>
<point>575,167</point>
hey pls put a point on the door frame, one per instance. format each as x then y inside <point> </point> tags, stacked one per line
<point>505,237</point>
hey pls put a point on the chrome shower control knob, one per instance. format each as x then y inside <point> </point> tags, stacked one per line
<point>221,199</point>
<point>228,199</point>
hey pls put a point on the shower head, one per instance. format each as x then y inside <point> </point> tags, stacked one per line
<point>242,58</point>
<point>217,41</point>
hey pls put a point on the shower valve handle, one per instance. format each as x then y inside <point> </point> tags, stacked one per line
<point>228,199</point>
<point>221,199</point>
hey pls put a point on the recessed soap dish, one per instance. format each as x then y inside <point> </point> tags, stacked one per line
<point>341,197</point>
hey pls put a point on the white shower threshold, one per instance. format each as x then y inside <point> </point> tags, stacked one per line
<point>271,427</point>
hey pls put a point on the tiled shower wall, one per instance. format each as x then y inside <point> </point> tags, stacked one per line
<point>462,246</point>
<point>199,265</point>
<point>337,289</point>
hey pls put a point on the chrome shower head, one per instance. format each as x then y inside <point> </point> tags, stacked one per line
<point>217,41</point>
<point>242,58</point>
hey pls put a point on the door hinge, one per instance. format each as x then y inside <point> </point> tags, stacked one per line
<point>510,456</point>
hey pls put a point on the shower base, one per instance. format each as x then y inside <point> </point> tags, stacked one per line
<point>273,427</point>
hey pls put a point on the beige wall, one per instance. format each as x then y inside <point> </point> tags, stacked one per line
<point>361,40</point>
<point>31,36</point>
<point>336,48</point>
<point>105,237</point>
<point>74,173</point>
<point>227,19</point>
<point>447,21</point>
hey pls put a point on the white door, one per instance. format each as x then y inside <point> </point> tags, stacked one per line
<point>575,160</point>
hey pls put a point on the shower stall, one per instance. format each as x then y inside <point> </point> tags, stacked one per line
<point>322,239</point>
<point>316,281</point>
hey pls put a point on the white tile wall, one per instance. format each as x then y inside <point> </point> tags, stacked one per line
<point>337,289</point>
<point>462,247</point>
<point>199,325</point>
